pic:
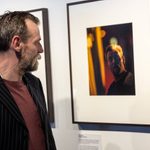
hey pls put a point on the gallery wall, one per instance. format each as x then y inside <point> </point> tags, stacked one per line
<point>67,133</point>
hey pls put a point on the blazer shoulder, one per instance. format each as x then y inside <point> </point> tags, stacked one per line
<point>30,78</point>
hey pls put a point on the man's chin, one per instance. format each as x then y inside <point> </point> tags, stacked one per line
<point>116,72</point>
<point>31,68</point>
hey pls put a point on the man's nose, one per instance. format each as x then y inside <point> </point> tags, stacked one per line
<point>40,50</point>
<point>113,61</point>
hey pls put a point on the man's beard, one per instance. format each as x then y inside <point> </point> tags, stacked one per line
<point>116,70</point>
<point>28,63</point>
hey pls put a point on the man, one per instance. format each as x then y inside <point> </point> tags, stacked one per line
<point>24,123</point>
<point>123,83</point>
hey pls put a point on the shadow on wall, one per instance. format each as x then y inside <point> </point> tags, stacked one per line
<point>115,127</point>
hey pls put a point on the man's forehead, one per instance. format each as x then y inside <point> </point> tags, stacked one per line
<point>114,53</point>
<point>30,24</point>
<point>32,27</point>
<point>118,50</point>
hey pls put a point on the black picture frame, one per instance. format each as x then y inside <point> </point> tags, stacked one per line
<point>116,109</point>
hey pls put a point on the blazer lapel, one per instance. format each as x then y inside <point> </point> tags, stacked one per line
<point>37,97</point>
<point>7,100</point>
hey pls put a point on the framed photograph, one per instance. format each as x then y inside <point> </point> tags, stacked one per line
<point>44,69</point>
<point>109,64</point>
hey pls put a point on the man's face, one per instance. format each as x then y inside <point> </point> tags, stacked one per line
<point>115,63</point>
<point>31,49</point>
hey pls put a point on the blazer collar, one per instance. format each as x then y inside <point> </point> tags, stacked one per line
<point>7,100</point>
<point>36,94</point>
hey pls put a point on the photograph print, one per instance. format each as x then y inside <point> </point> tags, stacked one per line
<point>110,60</point>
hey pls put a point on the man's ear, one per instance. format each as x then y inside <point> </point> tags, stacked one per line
<point>16,43</point>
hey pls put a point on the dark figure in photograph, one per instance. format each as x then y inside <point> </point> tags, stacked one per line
<point>123,83</point>
<point>24,123</point>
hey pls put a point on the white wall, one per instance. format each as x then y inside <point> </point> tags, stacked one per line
<point>66,133</point>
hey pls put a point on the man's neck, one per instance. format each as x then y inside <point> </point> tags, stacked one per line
<point>10,73</point>
<point>9,68</point>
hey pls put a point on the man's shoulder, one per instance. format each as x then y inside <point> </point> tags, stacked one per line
<point>30,75</point>
<point>30,78</point>
<point>129,79</point>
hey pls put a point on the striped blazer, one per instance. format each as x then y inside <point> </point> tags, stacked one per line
<point>13,131</point>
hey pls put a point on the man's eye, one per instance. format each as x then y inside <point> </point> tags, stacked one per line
<point>116,57</point>
<point>110,59</point>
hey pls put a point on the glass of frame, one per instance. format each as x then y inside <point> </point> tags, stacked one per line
<point>98,93</point>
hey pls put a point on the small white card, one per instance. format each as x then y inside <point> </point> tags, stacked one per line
<point>89,141</point>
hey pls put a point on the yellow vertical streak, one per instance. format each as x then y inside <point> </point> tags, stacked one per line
<point>99,36</point>
<point>92,83</point>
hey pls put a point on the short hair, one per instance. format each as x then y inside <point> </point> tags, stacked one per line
<point>13,23</point>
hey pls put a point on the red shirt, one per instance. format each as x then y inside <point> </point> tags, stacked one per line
<point>29,112</point>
